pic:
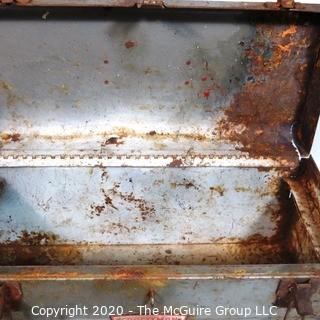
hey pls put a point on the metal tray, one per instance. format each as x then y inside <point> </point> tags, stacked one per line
<point>132,139</point>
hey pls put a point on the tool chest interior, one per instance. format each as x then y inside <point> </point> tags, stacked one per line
<point>157,137</point>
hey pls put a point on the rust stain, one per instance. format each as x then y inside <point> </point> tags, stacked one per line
<point>291,30</point>
<point>112,140</point>
<point>11,97</point>
<point>97,209</point>
<point>243,252</point>
<point>145,209</point>
<point>206,93</point>
<point>38,248</point>
<point>40,255</point>
<point>219,189</point>
<point>128,274</point>
<point>10,137</point>
<point>260,117</point>
<point>108,200</point>
<point>204,78</point>
<point>130,44</point>
<point>118,134</point>
<point>283,216</point>
<point>175,163</point>
<point>36,238</point>
<point>243,189</point>
<point>186,184</point>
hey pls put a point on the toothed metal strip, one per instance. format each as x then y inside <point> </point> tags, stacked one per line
<point>90,160</point>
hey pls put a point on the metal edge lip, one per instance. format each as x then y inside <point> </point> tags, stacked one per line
<point>305,5</point>
<point>142,273</point>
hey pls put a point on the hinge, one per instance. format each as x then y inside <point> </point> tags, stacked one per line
<point>286,4</point>
<point>151,3</point>
<point>19,2</point>
<point>296,294</point>
<point>10,298</point>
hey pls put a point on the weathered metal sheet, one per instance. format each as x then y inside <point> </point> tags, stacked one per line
<point>130,286</point>
<point>122,206</point>
<point>99,89</point>
<point>112,87</point>
<point>159,273</point>
<point>234,209</point>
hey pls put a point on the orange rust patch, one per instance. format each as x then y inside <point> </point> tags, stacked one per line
<point>128,274</point>
<point>260,117</point>
<point>130,44</point>
<point>38,248</point>
<point>250,252</point>
<point>289,31</point>
<point>219,189</point>
<point>10,137</point>
<point>15,254</point>
<point>37,238</point>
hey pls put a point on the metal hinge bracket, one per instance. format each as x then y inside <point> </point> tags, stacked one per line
<point>297,293</point>
<point>286,4</point>
<point>151,3</point>
<point>10,298</point>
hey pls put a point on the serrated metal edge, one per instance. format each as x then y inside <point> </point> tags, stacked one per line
<point>91,160</point>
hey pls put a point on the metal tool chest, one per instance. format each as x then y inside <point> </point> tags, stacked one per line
<point>159,155</point>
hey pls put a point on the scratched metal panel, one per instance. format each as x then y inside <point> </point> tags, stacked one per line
<point>140,205</point>
<point>110,83</point>
<point>66,105</point>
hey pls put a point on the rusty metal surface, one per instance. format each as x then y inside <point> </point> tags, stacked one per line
<point>306,193</point>
<point>151,254</point>
<point>308,6</point>
<point>172,285</point>
<point>310,112</point>
<point>111,87</point>
<point>159,273</point>
<point>96,215</point>
<point>190,292</point>
<point>292,293</point>
<point>103,88</point>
